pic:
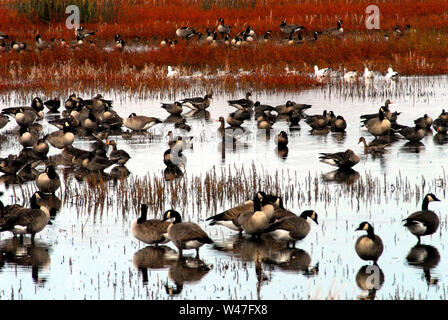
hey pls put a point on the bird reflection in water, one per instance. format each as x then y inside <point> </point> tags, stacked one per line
<point>369,278</point>
<point>34,256</point>
<point>348,177</point>
<point>185,271</point>
<point>425,257</point>
<point>152,257</point>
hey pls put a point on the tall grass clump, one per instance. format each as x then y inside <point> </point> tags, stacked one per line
<point>228,4</point>
<point>54,10</point>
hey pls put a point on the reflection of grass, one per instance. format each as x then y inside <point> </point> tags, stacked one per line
<point>54,10</point>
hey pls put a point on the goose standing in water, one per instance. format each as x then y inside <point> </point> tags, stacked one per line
<point>343,160</point>
<point>140,123</point>
<point>424,222</point>
<point>370,246</point>
<point>48,181</point>
<point>185,235</point>
<point>152,231</point>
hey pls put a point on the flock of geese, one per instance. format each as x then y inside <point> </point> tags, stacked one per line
<point>262,216</point>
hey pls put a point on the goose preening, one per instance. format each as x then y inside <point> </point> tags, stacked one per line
<point>338,124</point>
<point>28,221</point>
<point>53,104</point>
<point>343,160</point>
<point>391,75</point>
<point>185,235</point>
<point>370,246</point>
<point>292,228</point>
<point>152,231</point>
<point>424,222</point>
<point>173,108</point>
<point>140,123</point>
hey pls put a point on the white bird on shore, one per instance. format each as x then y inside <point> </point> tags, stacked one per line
<point>368,74</point>
<point>321,72</point>
<point>172,73</point>
<point>350,75</point>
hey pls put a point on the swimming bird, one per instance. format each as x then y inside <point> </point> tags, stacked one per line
<point>370,246</point>
<point>152,231</point>
<point>27,137</point>
<point>338,124</point>
<point>343,160</point>
<point>424,222</point>
<point>140,123</point>
<point>292,228</point>
<point>185,235</point>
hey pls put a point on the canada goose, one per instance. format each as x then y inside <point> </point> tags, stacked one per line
<point>338,31</point>
<point>338,124</point>
<point>96,163</point>
<point>11,165</point>
<point>263,123</point>
<point>242,104</point>
<point>290,28</point>
<point>27,137</point>
<point>289,41</point>
<point>76,43</point>
<point>25,117</point>
<point>266,36</point>
<point>3,120</point>
<point>185,235</point>
<point>174,108</point>
<point>61,138</point>
<point>343,160</point>
<point>53,104</point>
<point>36,107</point>
<point>18,46</point>
<point>41,44</point>
<point>71,102</point>
<point>48,181</point>
<point>391,75</point>
<point>140,123</point>
<point>294,119</point>
<point>153,231</point>
<point>320,73</point>
<point>185,32</point>
<point>197,103</point>
<point>3,36</point>
<point>256,221</point>
<point>292,228</point>
<point>279,211</point>
<point>82,33</point>
<point>441,126</point>
<point>222,28</point>
<point>378,126</point>
<point>315,37</point>
<point>373,148</point>
<point>30,221</point>
<point>117,156</point>
<point>424,122</point>
<point>282,139</point>
<point>285,108</point>
<point>386,110</point>
<point>413,134</point>
<point>370,246</point>
<point>424,222</point>
<point>368,74</point>
<point>317,121</point>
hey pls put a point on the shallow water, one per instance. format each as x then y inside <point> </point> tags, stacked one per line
<point>90,252</point>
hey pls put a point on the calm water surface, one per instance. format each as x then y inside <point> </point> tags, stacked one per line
<point>83,255</point>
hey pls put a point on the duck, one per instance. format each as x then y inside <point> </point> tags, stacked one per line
<point>338,31</point>
<point>48,181</point>
<point>413,134</point>
<point>292,228</point>
<point>185,235</point>
<point>140,123</point>
<point>343,160</point>
<point>370,246</point>
<point>378,126</point>
<point>222,28</point>
<point>28,220</point>
<point>242,104</point>
<point>290,28</point>
<point>152,231</point>
<point>373,148</point>
<point>424,222</point>
<point>391,75</point>
<point>173,108</point>
<point>61,138</point>
<point>282,139</point>
<point>117,156</point>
